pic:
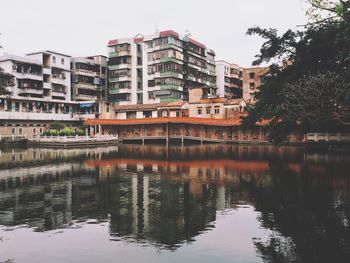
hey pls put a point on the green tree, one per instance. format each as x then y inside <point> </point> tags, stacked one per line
<point>56,125</point>
<point>302,58</point>
<point>6,80</point>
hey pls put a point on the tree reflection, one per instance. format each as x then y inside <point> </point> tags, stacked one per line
<point>168,196</point>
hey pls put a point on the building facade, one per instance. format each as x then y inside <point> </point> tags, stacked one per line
<point>252,81</point>
<point>89,78</point>
<point>235,82</point>
<point>159,68</point>
<point>56,74</point>
<point>39,94</point>
<point>229,80</point>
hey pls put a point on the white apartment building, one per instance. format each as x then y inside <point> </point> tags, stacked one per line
<point>229,80</point>
<point>234,82</point>
<point>89,78</point>
<point>159,68</point>
<point>56,74</point>
<point>40,93</point>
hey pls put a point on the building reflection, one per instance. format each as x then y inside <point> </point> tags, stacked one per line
<point>168,196</point>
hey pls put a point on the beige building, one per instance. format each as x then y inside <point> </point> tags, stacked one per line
<point>216,108</point>
<point>252,81</point>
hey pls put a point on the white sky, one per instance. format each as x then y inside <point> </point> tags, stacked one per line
<point>83,27</point>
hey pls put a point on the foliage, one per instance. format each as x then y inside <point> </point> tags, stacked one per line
<point>6,80</point>
<point>53,132</point>
<point>56,125</point>
<point>325,11</point>
<point>309,69</point>
<point>318,101</point>
<point>66,132</point>
<point>80,132</point>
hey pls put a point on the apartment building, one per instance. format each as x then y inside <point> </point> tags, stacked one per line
<point>252,81</point>
<point>229,80</point>
<point>40,93</point>
<point>234,82</point>
<point>159,68</point>
<point>89,78</point>
<point>56,74</point>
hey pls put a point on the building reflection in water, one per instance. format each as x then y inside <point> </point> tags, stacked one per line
<point>167,196</point>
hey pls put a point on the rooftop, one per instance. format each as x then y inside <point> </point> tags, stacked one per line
<point>19,59</point>
<point>48,52</point>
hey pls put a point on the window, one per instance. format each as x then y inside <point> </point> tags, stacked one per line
<point>217,110</point>
<point>20,130</point>
<point>107,108</point>
<point>13,130</point>
<point>62,61</point>
<point>251,75</point>
<point>252,85</point>
<point>208,110</point>
<point>199,111</point>
<point>34,131</point>
<point>54,59</point>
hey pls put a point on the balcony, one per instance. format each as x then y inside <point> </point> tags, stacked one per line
<point>87,86</point>
<point>59,81</point>
<point>58,94</point>
<point>86,97</point>
<point>119,54</point>
<point>28,76</point>
<point>47,85</point>
<point>31,91</point>
<point>170,87</point>
<point>88,73</point>
<point>119,79</point>
<point>169,74</point>
<point>118,91</point>
<point>47,71</point>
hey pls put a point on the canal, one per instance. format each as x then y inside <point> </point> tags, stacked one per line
<point>199,203</point>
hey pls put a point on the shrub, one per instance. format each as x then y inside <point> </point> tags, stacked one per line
<point>66,132</point>
<point>80,132</point>
<point>53,132</point>
<point>56,125</point>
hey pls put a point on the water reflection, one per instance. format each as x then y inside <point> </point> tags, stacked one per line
<point>166,197</point>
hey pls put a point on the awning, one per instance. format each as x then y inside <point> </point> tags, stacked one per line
<point>86,105</point>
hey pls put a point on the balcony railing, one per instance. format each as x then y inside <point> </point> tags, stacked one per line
<point>12,115</point>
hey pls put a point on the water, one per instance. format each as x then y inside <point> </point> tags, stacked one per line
<point>215,203</point>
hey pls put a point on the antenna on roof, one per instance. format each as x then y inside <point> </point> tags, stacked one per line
<point>157,29</point>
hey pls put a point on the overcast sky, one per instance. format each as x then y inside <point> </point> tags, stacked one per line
<point>83,27</point>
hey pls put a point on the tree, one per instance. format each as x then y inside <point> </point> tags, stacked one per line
<point>6,80</point>
<point>320,102</point>
<point>56,125</point>
<point>325,11</point>
<point>302,58</point>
